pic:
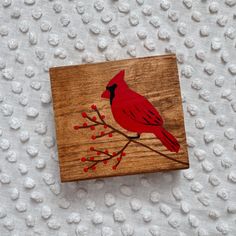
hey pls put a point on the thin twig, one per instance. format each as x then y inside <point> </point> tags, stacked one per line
<point>102,122</point>
<point>126,145</point>
<point>144,145</point>
<point>104,134</point>
<point>100,116</point>
<point>105,153</point>
<point>160,153</point>
<point>84,127</point>
<point>109,155</point>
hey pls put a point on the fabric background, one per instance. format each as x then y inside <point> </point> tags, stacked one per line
<point>38,34</point>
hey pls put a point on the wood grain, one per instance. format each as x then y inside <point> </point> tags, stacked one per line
<point>76,88</point>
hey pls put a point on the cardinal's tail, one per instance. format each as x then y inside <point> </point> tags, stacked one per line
<point>167,139</point>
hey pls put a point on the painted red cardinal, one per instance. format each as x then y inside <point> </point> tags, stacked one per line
<point>135,113</point>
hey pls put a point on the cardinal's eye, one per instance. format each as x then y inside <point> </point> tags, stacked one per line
<point>107,88</point>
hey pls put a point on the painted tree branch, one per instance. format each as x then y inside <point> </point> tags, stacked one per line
<point>106,155</point>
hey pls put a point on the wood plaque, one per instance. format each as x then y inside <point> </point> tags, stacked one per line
<point>118,118</point>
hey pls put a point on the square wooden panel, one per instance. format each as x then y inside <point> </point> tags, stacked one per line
<point>92,143</point>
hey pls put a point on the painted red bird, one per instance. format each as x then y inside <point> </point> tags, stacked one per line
<point>135,113</point>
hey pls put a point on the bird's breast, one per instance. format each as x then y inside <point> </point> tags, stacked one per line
<point>118,111</point>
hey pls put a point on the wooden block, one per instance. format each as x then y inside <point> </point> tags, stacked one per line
<point>96,138</point>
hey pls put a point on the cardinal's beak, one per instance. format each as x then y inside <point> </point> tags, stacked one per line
<point>106,94</point>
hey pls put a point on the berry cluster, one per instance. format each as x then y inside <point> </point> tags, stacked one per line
<point>100,156</point>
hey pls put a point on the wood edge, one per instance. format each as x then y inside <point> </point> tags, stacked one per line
<point>51,77</point>
<point>52,69</point>
<point>64,180</point>
<point>178,76</point>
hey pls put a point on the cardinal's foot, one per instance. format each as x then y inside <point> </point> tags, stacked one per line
<point>134,137</point>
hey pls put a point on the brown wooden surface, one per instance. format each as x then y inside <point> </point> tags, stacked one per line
<point>76,88</point>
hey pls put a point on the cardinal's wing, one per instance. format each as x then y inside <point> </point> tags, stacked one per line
<point>140,110</point>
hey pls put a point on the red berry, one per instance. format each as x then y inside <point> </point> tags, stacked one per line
<point>84,114</point>
<point>102,117</point>
<point>91,148</point>
<point>94,118</point>
<point>93,137</point>
<point>105,162</point>
<point>76,127</point>
<point>110,135</point>
<point>102,133</point>
<point>105,126</point>
<point>113,154</point>
<point>83,159</point>
<point>85,169</point>
<point>106,151</point>
<point>98,153</point>
<point>94,107</point>
<point>118,159</point>
<point>114,167</point>
<point>92,127</point>
<point>123,154</point>
<point>91,158</point>
<point>94,168</point>
<point>85,124</point>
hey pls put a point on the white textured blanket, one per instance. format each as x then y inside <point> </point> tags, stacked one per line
<point>38,34</point>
